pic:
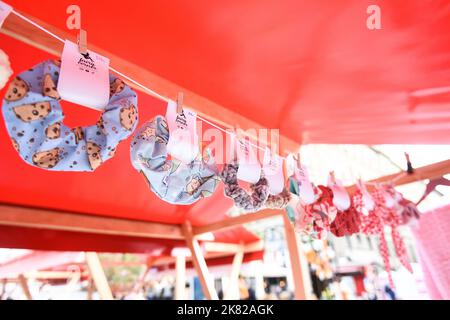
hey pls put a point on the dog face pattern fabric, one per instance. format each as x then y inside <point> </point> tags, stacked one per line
<point>34,120</point>
<point>171,180</point>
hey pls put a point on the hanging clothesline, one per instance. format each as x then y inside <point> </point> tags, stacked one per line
<point>159,96</point>
<point>140,85</point>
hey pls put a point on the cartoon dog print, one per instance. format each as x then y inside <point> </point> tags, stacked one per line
<point>53,131</point>
<point>79,134</point>
<point>193,185</point>
<point>46,159</point>
<point>49,88</point>
<point>93,151</point>
<point>32,112</point>
<point>128,117</point>
<point>16,90</point>
<point>116,87</point>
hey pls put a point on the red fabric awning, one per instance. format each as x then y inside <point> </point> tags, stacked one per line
<point>310,68</point>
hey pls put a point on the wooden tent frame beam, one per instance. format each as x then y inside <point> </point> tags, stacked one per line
<point>19,216</point>
<point>21,30</point>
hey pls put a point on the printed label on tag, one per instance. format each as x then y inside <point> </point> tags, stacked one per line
<point>341,199</point>
<point>273,171</point>
<point>5,10</point>
<point>306,189</point>
<point>249,167</point>
<point>84,78</point>
<point>183,141</point>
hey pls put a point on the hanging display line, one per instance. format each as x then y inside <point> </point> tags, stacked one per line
<point>140,85</point>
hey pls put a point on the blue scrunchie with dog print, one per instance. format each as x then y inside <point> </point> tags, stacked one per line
<point>34,120</point>
<point>171,180</point>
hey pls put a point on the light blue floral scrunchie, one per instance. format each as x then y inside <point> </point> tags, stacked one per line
<point>171,180</point>
<point>34,120</point>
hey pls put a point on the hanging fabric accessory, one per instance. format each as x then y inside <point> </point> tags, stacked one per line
<point>34,120</point>
<point>346,222</point>
<point>5,69</point>
<point>248,202</point>
<point>171,180</point>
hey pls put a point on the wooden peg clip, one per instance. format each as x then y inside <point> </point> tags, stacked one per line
<point>409,169</point>
<point>180,98</point>
<point>82,41</point>
<point>333,177</point>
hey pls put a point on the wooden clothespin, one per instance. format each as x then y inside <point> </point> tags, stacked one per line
<point>333,177</point>
<point>82,41</point>
<point>180,98</point>
<point>410,169</point>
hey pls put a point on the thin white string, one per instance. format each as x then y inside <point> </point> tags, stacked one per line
<point>140,85</point>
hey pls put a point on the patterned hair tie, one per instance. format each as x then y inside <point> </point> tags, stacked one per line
<point>278,201</point>
<point>242,199</point>
<point>346,223</point>
<point>34,120</point>
<point>171,180</point>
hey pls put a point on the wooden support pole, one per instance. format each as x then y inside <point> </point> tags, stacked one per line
<point>431,172</point>
<point>206,281</point>
<point>232,291</point>
<point>24,284</point>
<point>299,270</point>
<point>98,275</point>
<point>90,289</point>
<point>180,279</point>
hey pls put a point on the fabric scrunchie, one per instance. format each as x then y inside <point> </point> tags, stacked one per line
<point>247,202</point>
<point>346,222</point>
<point>278,201</point>
<point>34,120</point>
<point>171,180</point>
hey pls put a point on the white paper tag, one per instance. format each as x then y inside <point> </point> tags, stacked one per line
<point>367,200</point>
<point>341,199</point>
<point>5,10</point>
<point>84,79</point>
<point>183,141</point>
<point>273,171</point>
<point>249,167</point>
<point>291,164</point>
<point>306,189</point>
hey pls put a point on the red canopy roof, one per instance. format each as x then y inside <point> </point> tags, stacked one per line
<point>310,68</point>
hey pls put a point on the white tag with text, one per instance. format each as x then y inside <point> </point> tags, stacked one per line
<point>273,171</point>
<point>341,199</point>
<point>306,189</point>
<point>183,141</point>
<point>84,78</point>
<point>249,167</point>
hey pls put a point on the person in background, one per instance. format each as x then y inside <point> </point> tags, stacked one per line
<point>243,289</point>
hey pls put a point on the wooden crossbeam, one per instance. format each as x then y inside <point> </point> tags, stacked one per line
<point>58,220</point>
<point>25,32</point>
<point>431,171</point>
<point>237,221</point>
